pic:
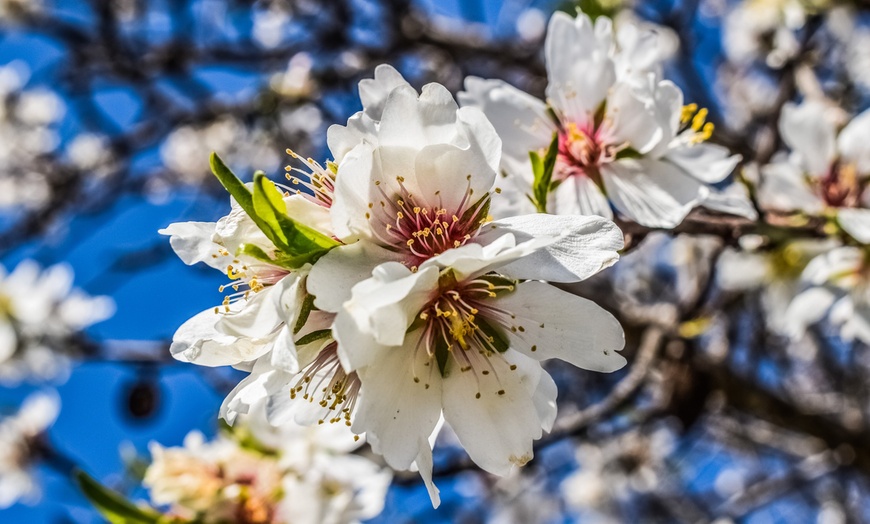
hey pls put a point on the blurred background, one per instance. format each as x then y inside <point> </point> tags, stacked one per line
<point>109,109</point>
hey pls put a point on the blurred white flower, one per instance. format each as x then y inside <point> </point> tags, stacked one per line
<point>257,473</point>
<point>837,286</point>
<point>90,153</point>
<point>776,271</point>
<point>624,138</point>
<point>28,121</point>
<point>39,311</point>
<point>764,29</point>
<point>19,434</point>
<point>615,470</point>
<point>826,170</point>
<point>185,150</point>
<point>295,81</point>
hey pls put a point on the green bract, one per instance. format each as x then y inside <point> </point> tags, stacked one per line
<point>297,243</point>
<point>114,507</point>
<point>543,172</point>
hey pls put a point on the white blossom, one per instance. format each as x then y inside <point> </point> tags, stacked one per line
<point>39,312</point>
<point>837,287</point>
<point>257,473</point>
<point>19,434</point>
<point>764,29</point>
<point>624,138</point>
<point>462,337</point>
<point>826,170</point>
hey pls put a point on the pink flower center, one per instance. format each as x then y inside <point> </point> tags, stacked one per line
<point>841,186</point>
<point>583,150</point>
<point>422,230</point>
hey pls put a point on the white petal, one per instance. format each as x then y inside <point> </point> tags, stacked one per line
<point>475,259</point>
<point>353,186</point>
<point>356,349</point>
<point>334,275</point>
<point>633,118</point>
<point>578,67</point>
<point>856,222</point>
<point>373,92</point>
<point>309,213</point>
<point>385,304</point>
<point>733,200</point>
<point>399,412</point>
<point>579,195</point>
<point>809,132</point>
<point>497,429</point>
<point>247,393</point>
<point>424,466</point>
<point>199,342</point>
<point>409,121</point>
<point>192,242</point>
<point>707,162</point>
<point>545,401</point>
<point>833,265</point>
<point>519,118</point>
<point>783,188</point>
<point>807,308</point>
<point>342,139</point>
<point>445,174</point>
<point>261,314</point>
<point>8,340</point>
<point>651,193</point>
<point>853,144</point>
<point>557,324</point>
<point>585,246</point>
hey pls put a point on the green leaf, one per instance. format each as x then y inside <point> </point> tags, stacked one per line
<point>542,168</point>
<point>307,306</point>
<point>280,259</point>
<point>114,507</point>
<point>628,152</point>
<point>289,236</point>
<point>232,184</point>
<point>314,336</point>
<point>497,338</point>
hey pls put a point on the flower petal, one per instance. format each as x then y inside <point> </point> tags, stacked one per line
<point>192,242</point>
<point>519,118</point>
<point>198,341</point>
<point>650,192</point>
<point>334,275</point>
<point>493,415</point>
<point>585,245</point>
<point>579,195</point>
<point>783,188</point>
<point>852,142</point>
<point>809,132</point>
<point>856,222</point>
<point>551,323</point>
<point>396,412</point>
<point>707,162</point>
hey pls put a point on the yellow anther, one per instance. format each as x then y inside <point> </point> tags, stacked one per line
<point>699,119</point>
<point>687,112</point>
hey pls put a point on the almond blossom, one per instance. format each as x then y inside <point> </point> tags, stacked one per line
<point>19,437</point>
<point>462,337</point>
<point>256,473</point>
<point>837,286</point>
<point>623,137</point>
<point>826,172</point>
<point>40,312</point>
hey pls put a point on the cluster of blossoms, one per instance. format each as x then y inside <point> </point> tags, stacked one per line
<point>40,315</point>
<point>377,291</point>
<point>257,474</point>
<point>20,437</point>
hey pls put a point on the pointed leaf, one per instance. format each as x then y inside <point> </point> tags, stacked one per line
<point>542,168</point>
<point>113,506</point>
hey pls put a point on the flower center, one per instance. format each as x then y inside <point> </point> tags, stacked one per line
<point>841,186</point>
<point>318,182</point>
<point>326,382</point>
<point>583,150</point>
<point>422,231</point>
<point>247,279</point>
<point>462,329</point>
